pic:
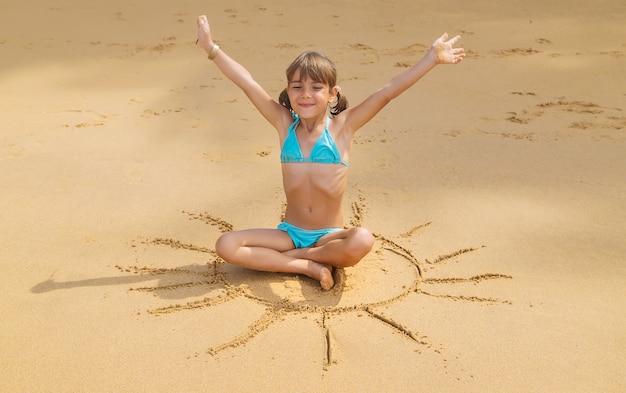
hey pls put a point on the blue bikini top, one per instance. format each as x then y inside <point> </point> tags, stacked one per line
<point>324,151</point>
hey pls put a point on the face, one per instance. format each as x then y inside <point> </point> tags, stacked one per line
<point>309,98</point>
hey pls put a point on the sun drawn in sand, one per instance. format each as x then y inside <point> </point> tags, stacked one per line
<point>390,267</point>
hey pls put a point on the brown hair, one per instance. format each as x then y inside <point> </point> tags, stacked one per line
<point>319,68</point>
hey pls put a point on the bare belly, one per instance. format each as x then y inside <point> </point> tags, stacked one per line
<point>314,194</point>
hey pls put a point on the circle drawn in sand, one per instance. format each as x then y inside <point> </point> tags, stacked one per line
<point>392,274</point>
<point>390,268</point>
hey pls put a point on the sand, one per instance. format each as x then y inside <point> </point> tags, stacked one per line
<point>496,189</point>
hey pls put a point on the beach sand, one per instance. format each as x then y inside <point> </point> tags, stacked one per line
<point>496,189</point>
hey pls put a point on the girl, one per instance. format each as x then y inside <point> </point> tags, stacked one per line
<point>315,154</point>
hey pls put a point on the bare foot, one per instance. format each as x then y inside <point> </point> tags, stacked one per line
<point>315,270</point>
<point>326,278</point>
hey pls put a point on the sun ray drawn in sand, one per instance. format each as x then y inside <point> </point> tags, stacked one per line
<point>390,266</point>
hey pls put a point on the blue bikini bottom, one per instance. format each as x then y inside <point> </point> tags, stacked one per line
<point>303,238</point>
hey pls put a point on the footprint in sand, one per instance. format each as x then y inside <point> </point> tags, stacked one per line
<point>556,119</point>
<point>368,55</point>
<point>516,52</point>
<point>86,118</point>
<point>581,115</point>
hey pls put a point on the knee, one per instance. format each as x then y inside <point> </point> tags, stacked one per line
<point>359,245</point>
<point>226,246</point>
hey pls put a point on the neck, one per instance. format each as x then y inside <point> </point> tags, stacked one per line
<point>312,124</point>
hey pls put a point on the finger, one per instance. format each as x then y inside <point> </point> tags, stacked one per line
<point>454,40</point>
<point>444,36</point>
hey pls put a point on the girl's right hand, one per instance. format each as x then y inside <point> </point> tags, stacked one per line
<point>204,34</point>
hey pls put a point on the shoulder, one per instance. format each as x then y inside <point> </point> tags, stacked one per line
<point>284,123</point>
<point>339,125</point>
<point>339,129</point>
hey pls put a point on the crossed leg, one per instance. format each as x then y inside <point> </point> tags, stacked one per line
<point>272,250</point>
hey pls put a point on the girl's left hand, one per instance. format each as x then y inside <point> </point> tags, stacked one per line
<point>444,51</point>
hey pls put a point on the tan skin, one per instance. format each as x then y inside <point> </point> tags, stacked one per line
<point>314,191</point>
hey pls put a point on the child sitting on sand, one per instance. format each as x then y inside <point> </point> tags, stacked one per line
<point>315,151</point>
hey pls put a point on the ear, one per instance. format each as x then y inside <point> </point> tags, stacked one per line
<point>333,93</point>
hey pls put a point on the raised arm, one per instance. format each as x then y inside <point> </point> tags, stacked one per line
<point>441,52</point>
<point>239,75</point>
